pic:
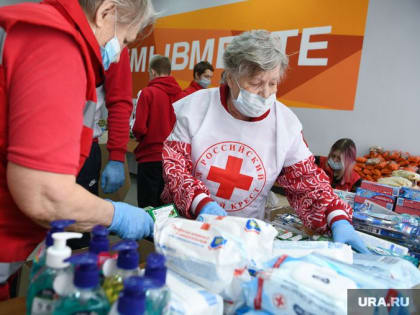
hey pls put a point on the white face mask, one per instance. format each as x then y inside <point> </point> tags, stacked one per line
<point>204,82</point>
<point>251,104</point>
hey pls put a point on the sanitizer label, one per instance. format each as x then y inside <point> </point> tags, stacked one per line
<point>43,303</point>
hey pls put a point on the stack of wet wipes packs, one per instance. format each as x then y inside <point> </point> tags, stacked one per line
<point>241,267</point>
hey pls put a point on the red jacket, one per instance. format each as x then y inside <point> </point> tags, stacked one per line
<point>193,87</point>
<point>347,186</point>
<point>118,99</point>
<point>155,117</point>
<point>19,235</point>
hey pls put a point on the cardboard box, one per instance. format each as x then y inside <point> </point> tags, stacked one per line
<point>380,188</point>
<point>402,210</point>
<point>358,200</point>
<point>407,203</point>
<point>410,193</point>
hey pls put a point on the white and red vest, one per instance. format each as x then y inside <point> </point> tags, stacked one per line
<point>238,161</point>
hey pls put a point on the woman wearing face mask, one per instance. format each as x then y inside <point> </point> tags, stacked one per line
<point>53,56</point>
<point>339,165</point>
<point>231,144</point>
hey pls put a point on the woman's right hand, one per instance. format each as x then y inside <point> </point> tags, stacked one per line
<point>130,222</point>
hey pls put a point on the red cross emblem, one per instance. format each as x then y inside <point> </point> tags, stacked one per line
<point>229,177</point>
<point>279,301</point>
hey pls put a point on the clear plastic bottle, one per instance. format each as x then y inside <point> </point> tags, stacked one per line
<point>39,260</point>
<point>41,296</point>
<point>157,294</point>
<point>127,265</point>
<point>88,296</point>
<point>132,298</point>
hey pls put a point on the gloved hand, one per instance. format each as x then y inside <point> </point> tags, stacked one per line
<point>113,177</point>
<point>212,208</point>
<point>130,222</point>
<point>344,232</point>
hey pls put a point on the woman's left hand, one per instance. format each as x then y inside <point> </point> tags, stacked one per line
<point>344,232</point>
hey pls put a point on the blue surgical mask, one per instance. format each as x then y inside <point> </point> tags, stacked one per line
<point>336,166</point>
<point>204,82</point>
<point>251,104</point>
<point>111,50</point>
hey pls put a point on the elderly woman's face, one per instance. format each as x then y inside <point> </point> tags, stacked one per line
<point>263,83</point>
<point>106,26</point>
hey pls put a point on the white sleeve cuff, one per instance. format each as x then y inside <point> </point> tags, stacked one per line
<point>196,201</point>
<point>334,214</point>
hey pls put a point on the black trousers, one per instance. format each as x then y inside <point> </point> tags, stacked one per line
<point>149,184</point>
<point>89,179</point>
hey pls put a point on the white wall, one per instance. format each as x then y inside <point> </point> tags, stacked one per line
<point>387,105</point>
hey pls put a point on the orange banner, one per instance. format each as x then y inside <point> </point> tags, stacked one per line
<point>323,39</point>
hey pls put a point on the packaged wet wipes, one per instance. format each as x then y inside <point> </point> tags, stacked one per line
<point>200,251</point>
<point>256,237</point>
<point>313,284</point>
<point>390,266</point>
<point>188,298</point>
<point>295,249</point>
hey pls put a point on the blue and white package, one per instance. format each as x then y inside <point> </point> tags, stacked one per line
<point>200,252</point>
<point>410,193</point>
<point>313,284</point>
<point>298,287</point>
<point>296,249</point>
<point>188,298</point>
<point>256,237</point>
<point>390,266</point>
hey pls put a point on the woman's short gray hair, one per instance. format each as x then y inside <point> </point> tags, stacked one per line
<point>254,51</point>
<point>131,12</point>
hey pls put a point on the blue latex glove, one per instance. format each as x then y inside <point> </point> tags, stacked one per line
<point>113,177</point>
<point>212,208</point>
<point>130,222</point>
<point>344,232</point>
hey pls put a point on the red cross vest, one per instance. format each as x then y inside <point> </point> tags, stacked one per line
<point>237,160</point>
<point>18,234</point>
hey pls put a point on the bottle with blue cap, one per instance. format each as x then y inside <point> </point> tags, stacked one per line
<point>87,296</point>
<point>157,294</point>
<point>127,265</point>
<point>39,260</point>
<point>132,298</point>
<point>42,296</point>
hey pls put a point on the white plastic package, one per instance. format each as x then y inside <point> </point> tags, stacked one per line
<point>188,298</point>
<point>295,249</point>
<point>199,251</point>
<point>256,237</point>
<point>393,267</point>
<point>313,284</point>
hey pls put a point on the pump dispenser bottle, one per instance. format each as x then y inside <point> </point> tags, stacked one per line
<point>132,298</point>
<point>87,297</point>
<point>127,266</point>
<point>39,260</point>
<point>42,297</point>
<point>157,294</point>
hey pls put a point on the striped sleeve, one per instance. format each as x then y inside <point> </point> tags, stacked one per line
<point>310,194</point>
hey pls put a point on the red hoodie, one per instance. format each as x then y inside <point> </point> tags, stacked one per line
<point>155,117</point>
<point>193,87</point>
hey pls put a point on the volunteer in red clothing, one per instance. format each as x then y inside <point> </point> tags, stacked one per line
<point>155,119</point>
<point>113,97</point>
<point>53,56</point>
<point>339,165</point>
<point>202,72</point>
<point>231,144</point>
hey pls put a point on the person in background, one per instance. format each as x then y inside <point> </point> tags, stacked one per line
<point>115,96</point>
<point>339,165</point>
<point>231,144</point>
<point>48,117</point>
<point>155,119</point>
<point>203,72</point>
